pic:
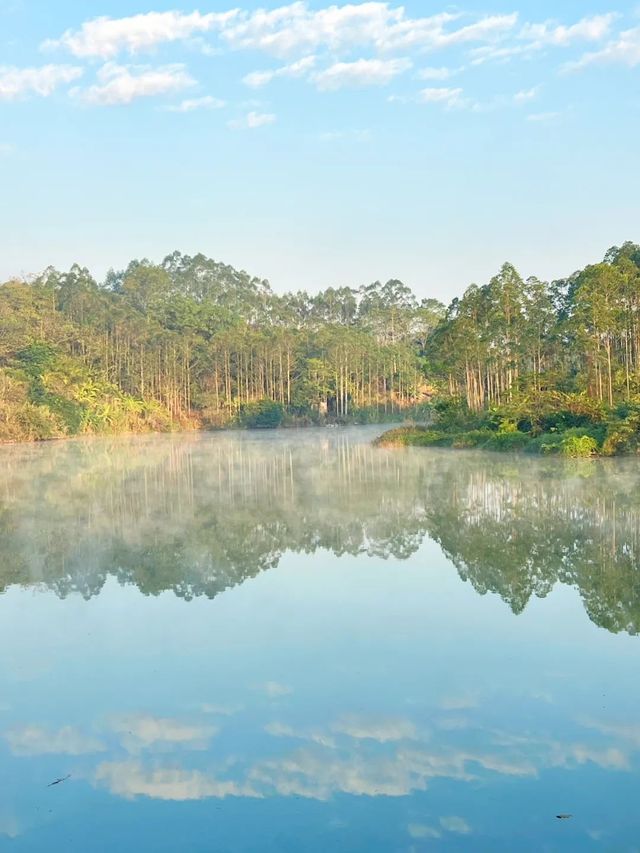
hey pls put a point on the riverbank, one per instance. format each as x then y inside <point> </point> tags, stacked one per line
<point>32,423</point>
<point>563,425</point>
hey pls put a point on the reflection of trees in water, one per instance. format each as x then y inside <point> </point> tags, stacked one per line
<point>517,528</point>
<point>203,513</point>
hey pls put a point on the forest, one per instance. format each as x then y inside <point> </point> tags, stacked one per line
<point>194,343</point>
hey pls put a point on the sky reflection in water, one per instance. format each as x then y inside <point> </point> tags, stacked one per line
<point>253,642</point>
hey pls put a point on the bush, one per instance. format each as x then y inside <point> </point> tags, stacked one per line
<point>264,414</point>
<point>622,436</point>
<point>583,446</point>
<point>38,423</point>
<point>453,415</point>
<point>508,442</point>
<point>414,436</point>
<point>571,442</point>
<point>472,439</point>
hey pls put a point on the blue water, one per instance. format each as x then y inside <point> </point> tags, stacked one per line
<point>297,642</point>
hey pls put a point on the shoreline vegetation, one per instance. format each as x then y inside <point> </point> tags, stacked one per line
<point>573,426</point>
<point>192,343</point>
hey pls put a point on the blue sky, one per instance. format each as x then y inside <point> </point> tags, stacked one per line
<point>318,144</point>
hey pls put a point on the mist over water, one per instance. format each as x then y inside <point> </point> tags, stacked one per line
<point>296,641</point>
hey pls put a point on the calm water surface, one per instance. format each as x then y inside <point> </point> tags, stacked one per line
<point>297,642</point>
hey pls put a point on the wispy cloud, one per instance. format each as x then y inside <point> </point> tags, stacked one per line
<point>533,38</point>
<point>624,50</point>
<point>122,84</point>
<point>37,740</point>
<point>105,37</point>
<point>285,30</point>
<point>455,824</point>
<point>553,34</point>
<point>449,98</point>
<point>526,95</point>
<point>131,779</point>
<point>543,117</point>
<point>274,689</point>
<point>257,79</point>
<point>143,731</point>
<point>43,81</point>
<point>208,102</point>
<point>342,45</point>
<point>252,120</point>
<point>422,831</point>
<point>441,73</point>
<point>382,731</point>
<point>362,72</point>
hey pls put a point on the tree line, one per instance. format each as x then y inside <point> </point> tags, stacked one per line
<point>194,342</point>
<point>511,337</point>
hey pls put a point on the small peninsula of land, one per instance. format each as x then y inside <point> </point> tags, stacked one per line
<point>570,425</point>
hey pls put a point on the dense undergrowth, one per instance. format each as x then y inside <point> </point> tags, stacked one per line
<point>45,394</point>
<point>572,425</point>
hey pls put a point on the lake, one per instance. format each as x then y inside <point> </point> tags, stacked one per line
<point>293,641</point>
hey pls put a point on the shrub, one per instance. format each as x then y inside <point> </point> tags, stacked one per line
<point>37,423</point>
<point>264,414</point>
<point>414,436</point>
<point>473,438</point>
<point>582,446</point>
<point>508,441</point>
<point>622,436</point>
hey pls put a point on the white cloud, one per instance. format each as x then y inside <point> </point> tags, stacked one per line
<point>142,731</point>
<point>106,37</point>
<point>536,37</point>
<point>257,79</point>
<point>130,779</point>
<point>295,27</point>
<point>455,824</point>
<point>623,730</point>
<point>570,755</point>
<point>320,773</point>
<point>624,50</point>
<point>450,98</point>
<point>285,30</point>
<point>42,81</point>
<point>376,24</point>
<point>486,29</point>
<point>206,103</point>
<point>526,95</point>
<point>36,740</point>
<point>122,84</point>
<point>549,33</point>
<point>283,730</point>
<point>6,149</point>
<point>362,72</point>
<point>435,73</point>
<point>10,825</point>
<point>420,830</point>
<point>382,731</point>
<point>273,689</point>
<point>251,121</point>
<point>542,117</point>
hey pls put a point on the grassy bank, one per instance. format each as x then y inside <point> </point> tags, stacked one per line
<point>570,425</point>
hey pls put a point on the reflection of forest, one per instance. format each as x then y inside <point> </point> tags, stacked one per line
<point>198,514</point>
